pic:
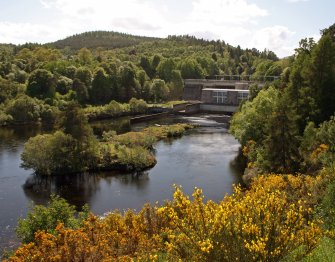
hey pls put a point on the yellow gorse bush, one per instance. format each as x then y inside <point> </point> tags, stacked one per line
<point>264,223</point>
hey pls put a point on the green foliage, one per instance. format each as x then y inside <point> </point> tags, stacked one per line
<point>103,39</point>
<point>329,31</point>
<point>41,218</point>
<point>146,65</point>
<point>80,90</point>
<point>327,210</point>
<point>41,84</point>
<point>323,252</point>
<point>25,109</point>
<point>161,132</point>
<point>262,67</point>
<point>113,109</point>
<point>135,139</point>
<point>251,122</point>
<point>165,69</point>
<point>84,75</point>
<point>191,69</point>
<point>5,119</point>
<point>137,105</point>
<point>114,66</point>
<point>267,128</point>
<point>318,145</point>
<point>254,89</point>
<point>135,158</point>
<point>74,149</point>
<point>9,90</point>
<point>176,85</point>
<point>274,127</point>
<point>128,83</point>
<point>64,85</point>
<point>50,153</point>
<point>279,152</point>
<point>100,93</point>
<point>85,56</point>
<point>159,90</point>
<point>59,153</point>
<point>322,77</point>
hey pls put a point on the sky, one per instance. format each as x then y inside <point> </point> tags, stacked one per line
<point>277,25</point>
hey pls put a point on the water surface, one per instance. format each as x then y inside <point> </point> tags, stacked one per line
<point>204,158</point>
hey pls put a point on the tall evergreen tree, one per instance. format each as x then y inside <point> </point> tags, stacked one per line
<point>300,94</point>
<point>322,77</point>
<point>101,91</point>
<point>280,152</point>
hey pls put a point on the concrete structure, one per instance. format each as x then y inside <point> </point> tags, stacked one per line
<point>193,87</point>
<point>216,95</point>
<point>187,108</point>
<point>224,93</point>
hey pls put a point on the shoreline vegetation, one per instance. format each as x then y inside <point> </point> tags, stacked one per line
<point>279,218</point>
<point>34,111</point>
<point>286,130</point>
<point>73,148</point>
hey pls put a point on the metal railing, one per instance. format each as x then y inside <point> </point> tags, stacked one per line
<point>246,78</point>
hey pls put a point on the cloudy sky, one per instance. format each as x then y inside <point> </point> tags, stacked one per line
<point>277,25</point>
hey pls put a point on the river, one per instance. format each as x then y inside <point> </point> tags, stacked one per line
<point>205,158</point>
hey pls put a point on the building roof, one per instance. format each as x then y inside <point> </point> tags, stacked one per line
<point>220,89</point>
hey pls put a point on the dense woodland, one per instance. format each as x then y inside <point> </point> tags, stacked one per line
<point>36,81</point>
<point>286,129</point>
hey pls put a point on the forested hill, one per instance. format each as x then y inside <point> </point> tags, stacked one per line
<point>43,76</point>
<point>111,40</point>
<point>104,39</point>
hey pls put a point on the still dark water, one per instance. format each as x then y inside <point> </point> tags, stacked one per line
<point>204,158</point>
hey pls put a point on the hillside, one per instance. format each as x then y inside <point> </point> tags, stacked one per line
<point>105,39</point>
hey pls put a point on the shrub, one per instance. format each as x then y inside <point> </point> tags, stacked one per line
<point>161,132</point>
<point>137,105</point>
<point>49,153</point>
<point>5,119</point>
<point>41,218</point>
<point>24,109</point>
<point>132,139</point>
<point>265,223</point>
<point>135,158</point>
<point>327,211</point>
<point>259,225</point>
<point>58,153</point>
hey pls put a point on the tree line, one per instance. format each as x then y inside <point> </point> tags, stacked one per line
<point>36,81</point>
<point>289,127</point>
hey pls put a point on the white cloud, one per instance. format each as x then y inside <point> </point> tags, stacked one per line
<point>137,16</point>
<point>133,16</point>
<point>25,32</point>
<point>276,38</point>
<point>234,21</point>
<point>229,20</point>
<point>224,12</point>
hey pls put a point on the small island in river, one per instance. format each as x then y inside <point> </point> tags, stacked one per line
<point>74,148</point>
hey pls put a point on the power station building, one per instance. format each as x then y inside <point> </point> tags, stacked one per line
<point>216,95</point>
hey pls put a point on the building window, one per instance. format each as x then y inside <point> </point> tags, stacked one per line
<point>242,96</point>
<point>220,97</point>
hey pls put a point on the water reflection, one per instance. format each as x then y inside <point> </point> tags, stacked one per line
<point>79,189</point>
<point>205,158</point>
<point>238,165</point>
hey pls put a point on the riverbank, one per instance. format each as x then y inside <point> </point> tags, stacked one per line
<point>57,154</point>
<point>203,158</point>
